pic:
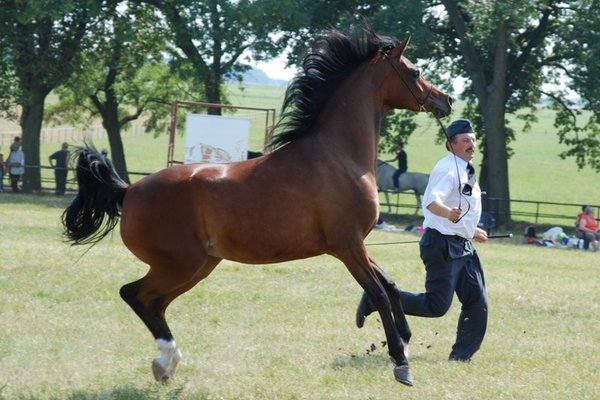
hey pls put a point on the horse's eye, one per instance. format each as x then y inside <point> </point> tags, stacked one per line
<point>416,74</point>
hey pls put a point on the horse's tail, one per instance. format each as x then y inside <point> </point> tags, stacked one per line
<point>97,206</point>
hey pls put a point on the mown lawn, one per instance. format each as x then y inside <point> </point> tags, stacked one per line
<point>283,331</point>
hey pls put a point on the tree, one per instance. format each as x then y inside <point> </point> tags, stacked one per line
<point>121,76</point>
<point>217,39</point>
<point>212,37</point>
<point>40,49</point>
<point>577,58</point>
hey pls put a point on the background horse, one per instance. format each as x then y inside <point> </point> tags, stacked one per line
<point>291,203</point>
<point>415,181</point>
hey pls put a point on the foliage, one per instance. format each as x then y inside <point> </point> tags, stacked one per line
<point>210,38</point>
<point>579,48</point>
<point>121,45</point>
<point>122,75</point>
<point>7,90</point>
<point>396,128</point>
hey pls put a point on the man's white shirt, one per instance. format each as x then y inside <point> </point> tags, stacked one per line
<point>443,186</point>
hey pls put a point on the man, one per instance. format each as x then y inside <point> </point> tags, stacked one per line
<point>451,209</point>
<point>59,161</point>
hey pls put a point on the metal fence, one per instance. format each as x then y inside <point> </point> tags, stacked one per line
<point>529,211</point>
<point>48,182</point>
<point>60,135</point>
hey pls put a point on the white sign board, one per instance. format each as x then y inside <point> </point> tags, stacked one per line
<point>215,139</point>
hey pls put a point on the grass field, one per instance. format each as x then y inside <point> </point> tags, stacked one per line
<point>282,331</point>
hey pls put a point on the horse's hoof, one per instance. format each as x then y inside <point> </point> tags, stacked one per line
<point>161,374</point>
<point>403,375</point>
<point>164,366</point>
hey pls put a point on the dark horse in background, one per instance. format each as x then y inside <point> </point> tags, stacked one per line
<point>315,193</point>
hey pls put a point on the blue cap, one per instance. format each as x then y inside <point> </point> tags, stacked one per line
<point>459,126</point>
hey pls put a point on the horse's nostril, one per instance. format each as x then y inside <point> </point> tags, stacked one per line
<point>450,100</point>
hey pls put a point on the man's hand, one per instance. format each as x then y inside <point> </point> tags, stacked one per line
<point>454,214</point>
<point>480,235</point>
<point>441,210</point>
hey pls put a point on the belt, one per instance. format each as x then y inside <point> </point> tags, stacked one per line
<point>455,237</point>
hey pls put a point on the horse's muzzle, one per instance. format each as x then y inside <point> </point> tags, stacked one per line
<point>442,106</point>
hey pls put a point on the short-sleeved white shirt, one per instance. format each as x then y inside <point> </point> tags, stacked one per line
<point>443,186</point>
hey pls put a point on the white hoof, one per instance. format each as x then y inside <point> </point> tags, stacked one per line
<point>164,366</point>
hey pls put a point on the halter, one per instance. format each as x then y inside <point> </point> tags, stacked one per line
<point>385,50</point>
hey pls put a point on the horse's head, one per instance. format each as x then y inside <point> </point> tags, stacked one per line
<point>407,88</point>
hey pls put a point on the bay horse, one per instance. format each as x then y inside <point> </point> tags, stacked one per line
<point>315,193</point>
<point>415,181</point>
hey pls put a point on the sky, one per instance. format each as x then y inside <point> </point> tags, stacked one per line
<point>275,69</point>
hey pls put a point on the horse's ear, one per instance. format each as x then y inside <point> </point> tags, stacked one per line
<point>402,46</point>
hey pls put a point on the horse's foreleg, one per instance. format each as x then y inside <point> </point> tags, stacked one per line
<point>366,275</point>
<point>149,298</point>
<point>387,201</point>
<point>418,196</point>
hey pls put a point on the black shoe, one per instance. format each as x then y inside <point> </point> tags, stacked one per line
<point>365,307</point>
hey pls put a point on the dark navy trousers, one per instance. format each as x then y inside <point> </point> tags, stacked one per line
<point>452,266</point>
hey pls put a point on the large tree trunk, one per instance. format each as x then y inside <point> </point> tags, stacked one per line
<point>491,95</point>
<point>213,94</point>
<point>109,110</point>
<point>31,127</point>
<point>493,111</point>
<point>117,151</point>
<point>495,180</point>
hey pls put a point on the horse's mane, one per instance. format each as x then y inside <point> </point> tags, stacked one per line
<point>330,60</point>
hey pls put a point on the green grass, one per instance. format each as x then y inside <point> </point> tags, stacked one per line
<point>283,331</point>
<point>286,331</point>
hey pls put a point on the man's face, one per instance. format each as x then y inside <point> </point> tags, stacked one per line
<point>464,145</point>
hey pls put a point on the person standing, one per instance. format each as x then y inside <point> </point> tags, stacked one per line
<point>451,210</point>
<point>59,160</point>
<point>16,165</point>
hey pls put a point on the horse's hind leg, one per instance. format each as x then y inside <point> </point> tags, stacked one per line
<point>149,298</point>
<point>387,201</point>
<point>394,295</point>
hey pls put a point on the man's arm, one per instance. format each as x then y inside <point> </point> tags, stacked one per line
<point>441,210</point>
